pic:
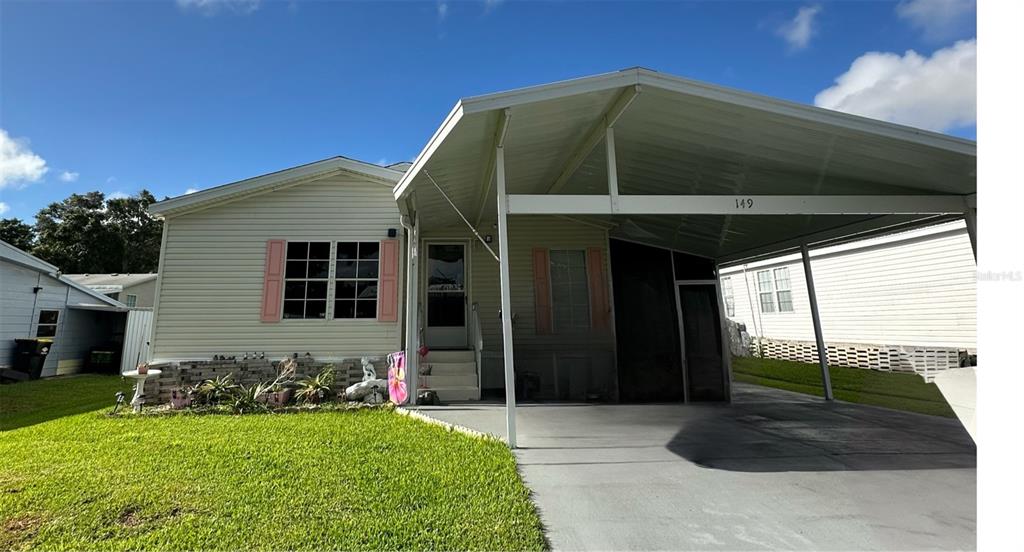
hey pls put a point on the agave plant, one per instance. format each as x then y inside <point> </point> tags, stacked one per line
<point>317,388</point>
<point>216,390</point>
<point>249,398</point>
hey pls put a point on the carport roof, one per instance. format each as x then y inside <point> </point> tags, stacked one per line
<point>675,136</point>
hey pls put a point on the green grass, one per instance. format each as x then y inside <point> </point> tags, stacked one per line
<point>367,479</point>
<point>889,389</point>
<point>32,402</point>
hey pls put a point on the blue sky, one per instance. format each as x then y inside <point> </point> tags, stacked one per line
<point>178,95</point>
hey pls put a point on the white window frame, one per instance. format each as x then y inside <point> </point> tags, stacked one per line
<point>779,290</point>
<point>55,324</point>
<point>727,296</point>
<point>572,329</point>
<point>131,300</point>
<point>763,292</point>
<point>333,290</point>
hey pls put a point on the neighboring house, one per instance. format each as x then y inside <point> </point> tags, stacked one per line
<point>36,300</point>
<point>134,290</point>
<point>912,290</point>
<point>608,272</point>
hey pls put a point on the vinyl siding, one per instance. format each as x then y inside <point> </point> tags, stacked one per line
<point>533,352</point>
<point>917,288</point>
<point>211,277</point>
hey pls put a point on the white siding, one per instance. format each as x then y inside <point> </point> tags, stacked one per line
<point>211,277</point>
<point>916,288</point>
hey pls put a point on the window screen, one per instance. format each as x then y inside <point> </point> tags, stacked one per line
<point>570,293</point>
<point>355,286</point>
<point>782,289</point>
<point>47,326</point>
<point>728,298</point>
<point>306,273</point>
<point>765,291</point>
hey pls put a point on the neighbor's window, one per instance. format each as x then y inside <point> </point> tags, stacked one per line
<point>355,284</point>
<point>130,300</point>
<point>570,293</point>
<point>306,273</point>
<point>782,289</point>
<point>47,323</point>
<point>765,291</point>
<point>728,298</point>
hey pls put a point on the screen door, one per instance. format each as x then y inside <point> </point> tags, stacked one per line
<point>446,296</point>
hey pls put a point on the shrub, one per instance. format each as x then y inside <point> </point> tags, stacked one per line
<point>317,388</point>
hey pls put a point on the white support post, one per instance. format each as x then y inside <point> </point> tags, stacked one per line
<point>826,380</point>
<point>412,334</point>
<point>613,172</point>
<point>506,298</point>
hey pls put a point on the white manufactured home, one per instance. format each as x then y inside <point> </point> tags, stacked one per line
<point>909,291</point>
<point>564,241</point>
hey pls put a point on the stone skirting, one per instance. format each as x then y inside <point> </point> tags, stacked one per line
<point>179,375</point>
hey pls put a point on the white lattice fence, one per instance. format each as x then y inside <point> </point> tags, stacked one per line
<point>921,360</point>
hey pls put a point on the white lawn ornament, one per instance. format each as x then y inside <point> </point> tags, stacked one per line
<point>371,389</point>
<point>369,373</point>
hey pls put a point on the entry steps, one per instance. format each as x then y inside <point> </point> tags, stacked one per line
<point>452,375</point>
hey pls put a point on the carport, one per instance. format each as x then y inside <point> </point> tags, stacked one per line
<point>658,160</point>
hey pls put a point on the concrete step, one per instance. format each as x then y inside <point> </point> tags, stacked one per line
<point>458,380</point>
<point>450,368</point>
<point>451,356</point>
<point>456,393</point>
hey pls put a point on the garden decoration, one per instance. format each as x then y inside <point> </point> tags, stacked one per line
<point>397,390</point>
<point>140,376</point>
<point>371,389</point>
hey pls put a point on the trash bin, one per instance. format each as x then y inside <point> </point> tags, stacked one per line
<point>30,355</point>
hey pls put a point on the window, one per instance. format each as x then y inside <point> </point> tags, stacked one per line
<point>782,289</point>
<point>355,286</point>
<point>765,291</point>
<point>728,298</point>
<point>306,274</point>
<point>130,300</point>
<point>47,323</point>
<point>570,293</point>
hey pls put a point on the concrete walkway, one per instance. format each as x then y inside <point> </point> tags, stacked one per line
<point>774,470</point>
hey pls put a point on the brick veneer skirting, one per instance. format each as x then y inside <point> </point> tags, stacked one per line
<point>178,375</point>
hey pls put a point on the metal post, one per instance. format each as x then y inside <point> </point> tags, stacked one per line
<point>971,218</point>
<point>412,334</point>
<point>826,381</point>
<point>506,298</point>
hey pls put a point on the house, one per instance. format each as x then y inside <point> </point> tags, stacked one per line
<point>908,295</point>
<point>37,301</point>
<point>562,240</point>
<point>134,290</point>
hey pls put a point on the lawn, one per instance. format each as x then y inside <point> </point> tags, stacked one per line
<point>889,389</point>
<point>369,479</point>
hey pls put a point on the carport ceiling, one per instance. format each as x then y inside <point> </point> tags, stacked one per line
<point>682,137</point>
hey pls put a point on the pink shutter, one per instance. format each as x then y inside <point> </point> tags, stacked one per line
<point>542,290</point>
<point>387,282</point>
<point>599,307</point>
<point>273,282</point>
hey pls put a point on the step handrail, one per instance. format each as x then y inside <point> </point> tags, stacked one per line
<point>478,340</point>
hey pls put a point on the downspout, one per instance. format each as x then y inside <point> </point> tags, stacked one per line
<point>411,309</point>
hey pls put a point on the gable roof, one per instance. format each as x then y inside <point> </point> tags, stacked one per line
<point>267,182</point>
<point>121,280</point>
<point>16,256</point>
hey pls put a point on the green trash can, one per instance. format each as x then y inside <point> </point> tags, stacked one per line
<point>30,355</point>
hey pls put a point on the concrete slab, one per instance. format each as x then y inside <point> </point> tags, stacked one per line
<point>773,470</point>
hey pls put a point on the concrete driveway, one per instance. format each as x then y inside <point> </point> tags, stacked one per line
<point>774,470</point>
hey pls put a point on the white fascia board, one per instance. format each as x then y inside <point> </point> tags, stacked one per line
<point>449,124</point>
<point>807,112</point>
<point>286,176</point>
<point>543,204</point>
<point>553,91</point>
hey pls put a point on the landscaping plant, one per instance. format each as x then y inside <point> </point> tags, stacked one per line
<point>317,388</point>
<point>217,390</point>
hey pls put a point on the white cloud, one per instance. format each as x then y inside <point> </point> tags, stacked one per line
<point>935,93</point>
<point>68,176</point>
<point>798,31</point>
<point>214,7</point>
<point>4,208</point>
<point>442,10</point>
<point>118,195</point>
<point>490,5</point>
<point>936,19</point>
<point>191,191</point>
<point>18,165</point>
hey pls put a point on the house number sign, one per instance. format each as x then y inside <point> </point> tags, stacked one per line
<point>745,203</point>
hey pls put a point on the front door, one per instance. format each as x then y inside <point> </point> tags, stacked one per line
<point>446,296</point>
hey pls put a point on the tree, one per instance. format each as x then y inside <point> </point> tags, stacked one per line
<point>17,233</point>
<point>137,230</point>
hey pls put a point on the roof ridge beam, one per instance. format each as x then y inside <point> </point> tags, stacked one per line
<point>594,136</point>
<point>488,176</point>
